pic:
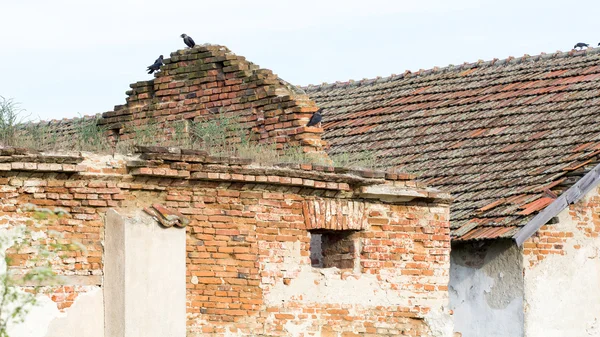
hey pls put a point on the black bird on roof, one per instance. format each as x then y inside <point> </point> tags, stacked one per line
<point>154,67</point>
<point>315,119</point>
<point>188,41</point>
<point>580,45</point>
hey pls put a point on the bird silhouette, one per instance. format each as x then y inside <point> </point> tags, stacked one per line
<point>156,65</point>
<point>188,41</point>
<point>580,45</point>
<point>315,119</point>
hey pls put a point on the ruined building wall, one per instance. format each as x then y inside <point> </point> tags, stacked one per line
<point>252,273</point>
<point>486,288</point>
<point>206,81</point>
<point>38,193</point>
<point>562,273</point>
<point>249,271</point>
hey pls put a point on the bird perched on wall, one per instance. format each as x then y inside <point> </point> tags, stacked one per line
<point>580,45</point>
<point>154,67</point>
<point>188,41</point>
<point>315,119</point>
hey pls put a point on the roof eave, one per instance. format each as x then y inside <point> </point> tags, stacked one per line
<point>570,196</point>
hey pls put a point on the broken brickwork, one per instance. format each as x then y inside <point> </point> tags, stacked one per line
<point>561,268</point>
<point>203,83</point>
<point>200,84</point>
<point>249,230</point>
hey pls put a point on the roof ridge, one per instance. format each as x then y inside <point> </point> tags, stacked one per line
<point>451,67</point>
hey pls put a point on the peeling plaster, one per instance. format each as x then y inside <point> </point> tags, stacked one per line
<point>440,323</point>
<point>486,289</point>
<point>42,314</point>
<point>297,330</point>
<point>562,297</point>
<point>97,161</point>
<point>316,285</point>
<point>306,285</point>
<point>86,314</point>
<point>321,286</point>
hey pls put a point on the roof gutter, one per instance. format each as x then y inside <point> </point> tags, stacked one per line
<point>570,196</point>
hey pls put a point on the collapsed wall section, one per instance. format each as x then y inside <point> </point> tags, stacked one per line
<point>384,239</point>
<point>197,85</point>
<point>210,81</point>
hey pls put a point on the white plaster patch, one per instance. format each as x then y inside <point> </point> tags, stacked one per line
<point>296,330</point>
<point>105,161</point>
<point>485,299</point>
<point>325,286</point>
<point>86,316</point>
<point>440,323</point>
<point>37,321</point>
<point>38,235</point>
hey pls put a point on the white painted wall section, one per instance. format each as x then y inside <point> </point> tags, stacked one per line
<point>144,277</point>
<point>486,289</point>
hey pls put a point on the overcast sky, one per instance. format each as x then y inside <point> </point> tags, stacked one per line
<point>62,58</point>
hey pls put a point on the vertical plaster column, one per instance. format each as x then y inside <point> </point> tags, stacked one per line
<point>144,277</point>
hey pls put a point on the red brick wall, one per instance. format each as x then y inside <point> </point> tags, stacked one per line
<point>208,81</point>
<point>583,220</point>
<point>48,203</point>
<point>248,244</point>
<point>403,250</point>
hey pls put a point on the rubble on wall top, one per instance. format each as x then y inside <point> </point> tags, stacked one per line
<point>21,159</point>
<point>184,164</point>
<point>151,155</point>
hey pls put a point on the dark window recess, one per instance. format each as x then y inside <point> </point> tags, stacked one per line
<point>316,255</point>
<point>334,249</point>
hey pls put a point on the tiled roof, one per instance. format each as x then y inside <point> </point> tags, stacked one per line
<point>505,137</point>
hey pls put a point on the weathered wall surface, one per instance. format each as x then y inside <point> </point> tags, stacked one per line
<point>199,84</point>
<point>144,277</point>
<point>210,81</point>
<point>248,250</point>
<point>75,305</point>
<point>486,289</point>
<point>85,316</point>
<point>42,200</point>
<point>401,276</point>
<point>562,273</point>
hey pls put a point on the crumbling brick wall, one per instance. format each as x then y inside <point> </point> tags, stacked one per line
<point>562,269</point>
<point>399,251</point>
<point>248,243</point>
<point>200,83</point>
<point>37,192</point>
<point>249,251</point>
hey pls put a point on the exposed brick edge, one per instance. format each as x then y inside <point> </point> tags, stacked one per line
<point>187,165</point>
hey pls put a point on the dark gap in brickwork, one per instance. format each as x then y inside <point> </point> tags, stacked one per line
<point>316,255</point>
<point>330,249</point>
